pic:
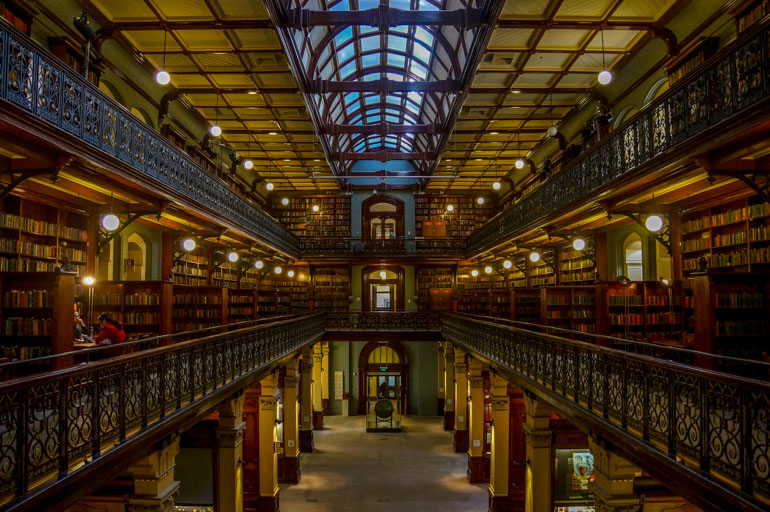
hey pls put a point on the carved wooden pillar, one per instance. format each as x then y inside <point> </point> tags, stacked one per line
<point>440,373</point>
<point>613,484</point>
<point>154,486</point>
<point>461,402</point>
<point>499,500</point>
<point>517,469</point>
<point>268,467</point>
<point>251,447</point>
<point>539,437</point>
<point>318,408</point>
<point>449,383</point>
<point>306,403</point>
<point>229,472</point>
<point>477,464</point>
<point>288,467</point>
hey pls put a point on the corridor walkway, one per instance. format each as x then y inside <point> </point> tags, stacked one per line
<point>414,471</point>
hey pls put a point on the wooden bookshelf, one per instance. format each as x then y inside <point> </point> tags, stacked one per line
<point>35,237</point>
<point>575,267</point>
<point>331,289</point>
<point>143,307</point>
<point>690,57</point>
<point>734,236</point>
<point>526,305</point>
<point>37,314</point>
<point>749,12</point>
<point>541,274</point>
<point>645,311</point>
<point>198,307</point>
<point>19,13</point>
<point>192,269</point>
<point>226,275</point>
<point>466,217</point>
<point>732,310</point>
<point>331,220</point>
<point>242,305</point>
<point>434,288</point>
<point>72,54</point>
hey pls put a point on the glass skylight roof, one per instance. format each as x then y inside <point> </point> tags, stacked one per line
<point>403,53</point>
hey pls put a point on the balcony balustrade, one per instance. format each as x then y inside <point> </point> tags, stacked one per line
<point>352,247</point>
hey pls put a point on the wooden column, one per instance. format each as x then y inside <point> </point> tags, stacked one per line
<point>449,383</point>
<point>92,229</point>
<point>306,403</point>
<point>517,468</point>
<point>613,484</point>
<point>154,484</point>
<point>167,256</point>
<point>228,479</point>
<point>325,377</point>
<point>268,468</point>
<point>318,407</point>
<point>499,465</point>
<point>251,447</point>
<point>289,471</point>
<point>539,438</point>
<point>461,402</point>
<point>440,373</point>
<point>477,464</point>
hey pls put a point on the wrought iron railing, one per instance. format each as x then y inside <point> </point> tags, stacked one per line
<point>55,424</point>
<point>728,85</point>
<point>716,424</point>
<point>36,81</point>
<point>328,246</point>
<point>384,321</point>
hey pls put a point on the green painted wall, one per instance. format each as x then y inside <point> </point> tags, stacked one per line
<point>615,239</point>
<point>421,375</point>
<point>410,289</point>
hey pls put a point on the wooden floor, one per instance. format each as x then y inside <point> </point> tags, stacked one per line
<point>416,470</point>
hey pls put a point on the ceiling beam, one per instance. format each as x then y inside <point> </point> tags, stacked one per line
<point>384,156</point>
<point>192,25</point>
<point>382,128</point>
<point>575,25</point>
<point>383,86</point>
<point>382,16</point>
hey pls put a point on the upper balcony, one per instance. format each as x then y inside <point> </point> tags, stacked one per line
<point>721,98</point>
<point>352,247</point>
<point>37,83</point>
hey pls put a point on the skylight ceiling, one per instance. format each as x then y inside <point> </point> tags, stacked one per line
<point>384,82</point>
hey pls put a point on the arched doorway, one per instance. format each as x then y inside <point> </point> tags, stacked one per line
<point>137,251</point>
<point>382,216</point>
<point>633,257</point>
<point>383,288</point>
<point>382,375</point>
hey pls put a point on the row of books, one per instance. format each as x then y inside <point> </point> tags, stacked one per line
<point>27,299</point>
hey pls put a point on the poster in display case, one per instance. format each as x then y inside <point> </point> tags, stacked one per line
<point>574,469</point>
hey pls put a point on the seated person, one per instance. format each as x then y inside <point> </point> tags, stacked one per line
<point>80,326</point>
<point>111,334</point>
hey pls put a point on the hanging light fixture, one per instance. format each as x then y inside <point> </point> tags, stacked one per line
<point>488,269</point>
<point>475,273</point>
<point>450,207</point>
<point>277,270</point>
<point>519,161</point>
<point>269,186</point>
<point>654,223</point>
<point>285,201</point>
<point>214,129</point>
<point>507,264</point>
<point>188,244</point>
<point>111,222</point>
<point>290,273</point>
<point>480,200</point>
<point>553,131</point>
<point>605,76</point>
<point>162,76</point>
<point>316,208</point>
<point>259,264</point>
<point>248,164</point>
<point>534,256</point>
<point>496,185</point>
<point>579,244</point>
<point>232,256</point>
<point>383,274</point>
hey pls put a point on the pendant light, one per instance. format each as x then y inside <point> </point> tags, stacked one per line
<point>162,76</point>
<point>248,164</point>
<point>111,222</point>
<point>553,131</point>
<point>605,76</point>
<point>188,244</point>
<point>214,129</point>
<point>519,161</point>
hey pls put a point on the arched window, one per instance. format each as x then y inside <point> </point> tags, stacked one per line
<point>633,257</point>
<point>136,257</point>
<point>382,217</point>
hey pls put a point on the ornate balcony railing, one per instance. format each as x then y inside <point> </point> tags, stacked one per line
<point>712,428</point>
<point>350,247</point>
<point>383,321</point>
<point>36,81</point>
<point>54,425</point>
<point>730,84</point>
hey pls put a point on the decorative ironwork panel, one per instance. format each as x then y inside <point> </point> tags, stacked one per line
<point>688,410</point>
<point>10,406</point>
<point>677,111</point>
<point>629,147</point>
<point>93,119</point>
<point>19,73</point>
<point>643,138</point>
<point>48,91</point>
<point>109,129</point>
<point>720,87</point>
<point>134,395</point>
<point>760,442</point>
<point>697,106</point>
<point>80,412</point>
<point>72,106</point>
<point>153,374</point>
<point>660,129</point>
<point>658,419</point>
<point>124,139</point>
<point>724,429</point>
<point>43,435</point>
<point>748,73</point>
<point>139,142</point>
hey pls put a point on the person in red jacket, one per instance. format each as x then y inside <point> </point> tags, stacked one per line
<point>111,334</point>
